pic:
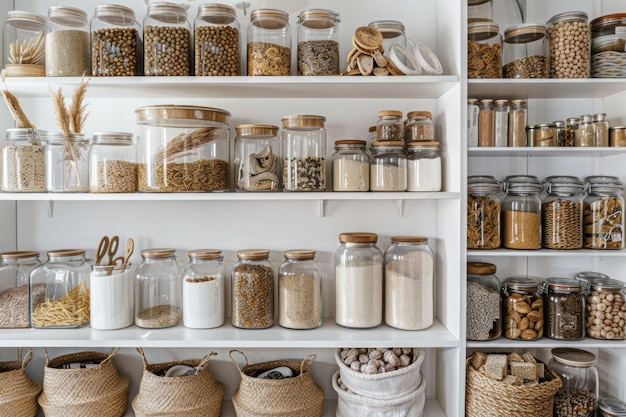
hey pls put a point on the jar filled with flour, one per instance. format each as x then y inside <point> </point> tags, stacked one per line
<point>423,166</point>
<point>351,168</point>
<point>299,290</point>
<point>203,289</point>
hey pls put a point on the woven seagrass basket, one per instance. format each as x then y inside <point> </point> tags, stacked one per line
<point>18,393</point>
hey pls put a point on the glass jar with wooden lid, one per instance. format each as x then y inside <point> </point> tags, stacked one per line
<point>299,290</point>
<point>393,33</point>
<point>526,51</point>
<point>166,20</point>
<point>269,43</point>
<point>258,164</point>
<point>484,50</point>
<point>390,126</point>
<point>479,11</point>
<point>304,152</point>
<point>23,41</point>
<point>203,289</point>
<point>388,167</point>
<point>351,168</point>
<point>216,39</point>
<point>318,42</point>
<point>484,311</point>
<point>15,269</point>
<point>419,126</point>
<point>252,292</point>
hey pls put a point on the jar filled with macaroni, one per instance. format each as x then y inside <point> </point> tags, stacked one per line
<point>258,165</point>
<point>351,168</point>
<point>112,163</point>
<point>483,212</point>
<point>269,43</point>
<point>167,40</point>
<point>562,213</point>
<point>252,290</point>
<point>603,213</point>
<point>15,269</point>
<point>304,153</point>
<point>216,39</point>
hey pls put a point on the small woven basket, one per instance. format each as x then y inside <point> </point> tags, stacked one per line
<point>18,393</point>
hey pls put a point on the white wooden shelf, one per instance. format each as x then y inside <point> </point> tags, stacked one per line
<point>544,88</point>
<point>545,252</point>
<point>586,343</point>
<point>547,152</point>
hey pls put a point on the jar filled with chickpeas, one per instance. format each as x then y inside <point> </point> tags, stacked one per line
<point>252,290</point>
<point>166,37</point>
<point>216,40</point>
<point>570,43</point>
<point>269,43</point>
<point>562,213</point>
<point>522,307</point>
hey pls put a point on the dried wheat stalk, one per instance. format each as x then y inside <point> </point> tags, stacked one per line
<point>16,110</point>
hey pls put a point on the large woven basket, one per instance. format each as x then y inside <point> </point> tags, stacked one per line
<point>298,396</point>
<point>99,392</point>
<point>198,395</point>
<point>18,393</point>
<point>486,397</point>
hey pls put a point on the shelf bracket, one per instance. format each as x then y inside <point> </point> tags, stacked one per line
<point>50,207</point>
<point>400,207</point>
<point>321,208</point>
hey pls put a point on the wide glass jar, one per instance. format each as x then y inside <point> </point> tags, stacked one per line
<point>111,296</point>
<point>393,33</point>
<point>258,165</point>
<point>543,135</point>
<point>606,311</point>
<point>112,163</point>
<point>269,43</point>
<point>318,42</point>
<point>517,123</point>
<point>203,289</point>
<point>419,126</point>
<point>389,126</point>
<point>252,290</point>
<point>183,148</point>
<point>424,166</point>
<point>304,153</point>
<point>562,213</point>
<point>483,212</point>
<point>522,307</point>
<point>526,51</point>
<point>409,283</point>
<point>564,308</point>
<point>358,281</point>
<point>67,48</point>
<point>484,50</point>
<point>15,269</point>
<point>611,407</point>
<point>59,290</point>
<point>603,213</point>
<point>299,290</point>
<point>388,166</point>
<point>579,394</point>
<point>23,44</point>
<point>167,40</point>
<point>216,39</point>
<point>157,289</point>
<point>23,161</point>
<point>521,219</point>
<point>484,309</point>
<point>67,163</point>
<point>351,168</point>
<point>570,43</point>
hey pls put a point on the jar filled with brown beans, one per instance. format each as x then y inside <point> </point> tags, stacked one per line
<point>253,290</point>
<point>167,47</point>
<point>562,213</point>
<point>216,40</point>
<point>570,43</point>
<point>522,307</point>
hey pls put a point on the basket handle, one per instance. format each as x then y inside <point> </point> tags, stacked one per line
<point>206,359</point>
<point>230,354</point>
<point>308,359</point>
<point>27,358</point>
<point>143,357</point>
<point>112,353</point>
<point>45,352</point>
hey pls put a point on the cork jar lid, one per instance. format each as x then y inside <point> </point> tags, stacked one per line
<point>300,254</point>
<point>253,254</point>
<point>20,254</point>
<point>157,252</point>
<point>204,253</point>
<point>358,237</point>
<point>481,268</point>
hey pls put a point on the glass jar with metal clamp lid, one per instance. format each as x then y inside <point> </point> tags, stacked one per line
<point>522,308</point>
<point>564,308</point>
<point>483,212</point>
<point>562,213</point>
<point>606,310</point>
<point>22,163</point>
<point>521,212</point>
<point>603,213</point>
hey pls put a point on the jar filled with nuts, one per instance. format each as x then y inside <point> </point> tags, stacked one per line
<point>526,51</point>
<point>570,43</point>
<point>67,42</point>
<point>15,269</point>
<point>483,212</point>
<point>521,219</point>
<point>484,50</point>
<point>562,213</point>
<point>390,126</point>
<point>318,42</point>
<point>252,290</point>
<point>203,289</point>
<point>564,308</point>
<point>22,161</point>
<point>112,163</point>
<point>258,166</point>
<point>299,291</point>
<point>351,168</point>
<point>606,311</point>
<point>484,308</point>
<point>388,167</point>
<point>166,39</point>
<point>216,40</point>
<point>269,43</point>
<point>523,308</point>
<point>304,153</point>
<point>419,126</point>
<point>603,213</point>
<point>579,394</point>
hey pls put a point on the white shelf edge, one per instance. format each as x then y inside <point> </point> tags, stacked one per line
<point>551,152</point>
<point>586,343</point>
<point>548,88</point>
<point>545,253</point>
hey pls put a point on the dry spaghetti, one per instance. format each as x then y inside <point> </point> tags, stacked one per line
<point>71,310</point>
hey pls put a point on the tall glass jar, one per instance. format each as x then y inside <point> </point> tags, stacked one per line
<point>116,46</point>
<point>318,42</point>
<point>60,284</point>
<point>351,168</point>
<point>203,289</point>
<point>570,44</point>
<point>409,283</point>
<point>483,212</point>
<point>393,33</point>
<point>605,309</point>
<point>269,43</point>
<point>562,213</point>
<point>388,167</point>
<point>560,129</point>
<point>521,219</point>
<point>585,133</point>
<point>390,126</point>
<point>258,166</point>
<point>112,163</point>
<point>67,48</point>
<point>22,163</point>
<point>570,131</point>
<point>526,51</point>
<point>157,289</point>
<point>601,128</point>
<point>472,122</point>
<point>603,213</point>
<point>216,40</point>
<point>419,126</point>
<point>67,163</point>
<point>517,123</point>
<point>15,269</point>
<point>167,40</point>
<point>486,123</point>
<point>21,29</point>
<point>304,153</point>
<point>617,136</point>
<point>358,281</point>
<point>579,394</point>
<point>522,307</point>
<point>501,123</point>
<point>484,309</point>
<point>299,291</point>
<point>564,308</point>
<point>253,290</point>
<point>424,166</point>
<point>479,10</point>
<point>484,50</point>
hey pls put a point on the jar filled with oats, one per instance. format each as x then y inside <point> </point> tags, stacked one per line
<point>483,212</point>
<point>253,290</point>
<point>203,289</point>
<point>564,308</point>
<point>570,43</point>
<point>351,168</point>
<point>299,290</point>
<point>603,213</point>
<point>216,40</point>
<point>15,269</point>
<point>258,166</point>
<point>388,167</point>
<point>606,311</point>
<point>484,50</point>
<point>304,153</point>
<point>522,307</point>
<point>112,163</point>
<point>562,213</point>
<point>318,42</point>
<point>23,28</point>
<point>389,126</point>
<point>22,163</point>
<point>419,126</point>
<point>67,163</point>
<point>521,219</point>
<point>167,40</point>
<point>526,51</point>
<point>484,308</point>
<point>67,42</point>
<point>269,43</point>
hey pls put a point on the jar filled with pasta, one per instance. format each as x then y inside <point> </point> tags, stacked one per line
<point>603,213</point>
<point>483,212</point>
<point>258,165</point>
<point>562,213</point>
<point>15,269</point>
<point>484,50</point>
<point>521,228</point>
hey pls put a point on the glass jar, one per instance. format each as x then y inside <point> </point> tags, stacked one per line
<point>304,153</point>
<point>601,128</point>
<point>358,281</point>
<point>203,289</point>
<point>24,44</point>
<point>560,129</point>
<point>607,53</point>
<point>269,43</point>
<point>67,48</point>
<point>388,167</point>
<point>258,166</point>
<point>564,308</point>
<point>603,213</point>
<point>479,10</point>
<point>486,123</point>
<point>522,307</point>
<point>521,219</point>
<point>15,269</point>
<point>484,309</point>
<point>483,212</point>
<point>570,131</point>
<point>611,407</point>
<point>393,33</point>
<point>562,213</point>
<point>501,123</point>
<point>299,291</point>
<point>390,126</point>
<point>23,161</point>
<point>419,126</point>
<point>371,137</point>
<point>216,40</point>
<point>157,290</point>
<point>579,394</point>
<point>617,136</point>
<point>183,148</point>
<point>409,283</point>
<point>544,135</point>
<point>610,24</point>
<point>112,163</point>
<point>517,123</point>
<point>60,284</point>
<point>111,299</point>
<point>115,42</point>
<point>526,51</point>
<point>67,163</point>
<point>570,43</point>
<point>166,40</point>
<point>472,122</point>
<point>424,166</point>
<point>253,290</point>
<point>318,42</point>
<point>484,50</point>
<point>351,168</point>
<point>605,303</point>
<point>585,133</point>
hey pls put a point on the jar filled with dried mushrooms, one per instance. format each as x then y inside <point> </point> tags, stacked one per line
<point>258,165</point>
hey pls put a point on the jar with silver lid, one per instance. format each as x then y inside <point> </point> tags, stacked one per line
<point>67,49</point>
<point>484,50</point>
<point>258,165</point>
<point>603,213</point>
<point>521,219</point>
<point>22,163</point>
<point>216,40</point>
<point>611,407</point>
<point>484,308</point>
<point>15,269</point>
<point>560,129</point>
<point>570,43</point>
<point>67,163</point>
<point>606,310</point>
<point>166,39</point>
<point>517,123</point>
<point>269,43</point>
<point>562,213</point>
<point>20,29</point>
<point>393,33</point>
<point>318,42</point>
<point>390,126</point>
<point>579,394</point>
<point>203,289</point>
<point>304,153</point>
<point>526,51</point>
<point>585,133</point>
<point>522,307</point>
<point>601,128</point>
<point>564,308</point>
<point>483,212</point>
<point>419,126</point>
<point>252,290</point>
<point>388,167</point>
<point>299,290</point>
<point>423,166</point>
<point>570,131</point>
<point>351,168</point>
<point>112,163</point>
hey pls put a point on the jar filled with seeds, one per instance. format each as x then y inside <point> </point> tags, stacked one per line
<point>351,168</point>
<point>388,167</point>
<point>601,128</point>
<point>564,308</point>
<point>484,309</point>
<point>216,40</point>
<point>617,136</point>
<point>522,307</point>
<point>318,42</point>
<point>483,212</point>
<point>358,281</point>
<point>562,213</point>
<point>479,10</point>
<point>521,219</point>
<point>585,133</point>
<point>606,311</point>
<point>23,161</point>
<point>112,163</point>
<point>484,50</point>
<point>299,291</point>
<point>304,153</point>
<point>517,123</point>
<point>15,269</point>
<point>560,129</point>
<point>419,126</point>
<point>183,148</point>
<point>24,45</point>
<point>67,163</point>
<point>167,40</point>
<point>269,43</point>
<point>390,126</point>
<point>116,45</point>
<point>258,166</point>
<point>67,48</point>
<point>526,51</point>
<point>203,289</point>
<point>603,213</point>
<point>157,290</point>
<point>579,394</point>
<point>423,166</point>
<point>570,42</point>
<point>253,290</point>
<point>570,131</point>
<point>393,33</point>
<point>59,290</point>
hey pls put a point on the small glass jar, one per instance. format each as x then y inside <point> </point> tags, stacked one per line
<point>390,126</point>
<point>358,281</point>
<point>544,135</point>
<point>560,128</point>
<point>216,40</point>
<point>484,309</point>
<point>157,289</point>
<point>393,33</point>
<point>258,166</point>
<point>479,10</point>
<point>484,50</point>
<point>486,124</point>
<point>371,136</point>
<point>579,394</point>
<point>522,307</point>
<point>166,40</point>
<point>483,212</point>
<point>24,45</point>
<point>526,51</point>
<point>318,42</point>
<point>517,123</point>
<point>269,43</point>
<point>304,153</point>
<point>601,128</point>
<point>570,43</point>
<point>60,284</point>
<point>521,218</point>
<point>67,48</point>
<point>501,123</point>
<point>253,290</point>
<point>112,166</point>
<point>23,161</point>
<point>606,309</point>
<point>111,297</point>
<point>409,283</point>
<point>423,166</point>
<point>564,308</point>
<point>388,167</point>
<point>611,407</point>
<point>472,122</point>
<point>570,131</point>
<point>603,213</point>
<point>115,42</point>
<point>419,127</point>
<point>562,213</point>
<point>15,269</point>
<point>617,136</point>
<point>67,163</point>
<point>351,168</point>
<point>299,291</point>
<point>203,289</point>
<point>585,133</point>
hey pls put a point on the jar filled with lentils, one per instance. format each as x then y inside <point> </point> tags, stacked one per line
<point>112,163</point>
<point>484,50</point>
<point>526,51</point>
<point>606,310</point>
<point>603,213</point>
<point>166,38</point>
<point>15,268</point>
<point>252,290</point>
<point>419,126</point>
<point>216,40</point>
<point>521,208</point>
<point>484,309</point>
<point>258,165</point>
<point>570,43</point>
<point>299,290</point>
<point>318,42</point>
<point>67,42</point>
<point>579,394</point>
<point>564,308</point>
<point>304,153</point>
<point>562,213</point>
<point>522,307</point>
<point>269,43</point>
<point>22,161</point>
<point>483,212</point>
<point>351,168</point>
<point>389,126</point>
